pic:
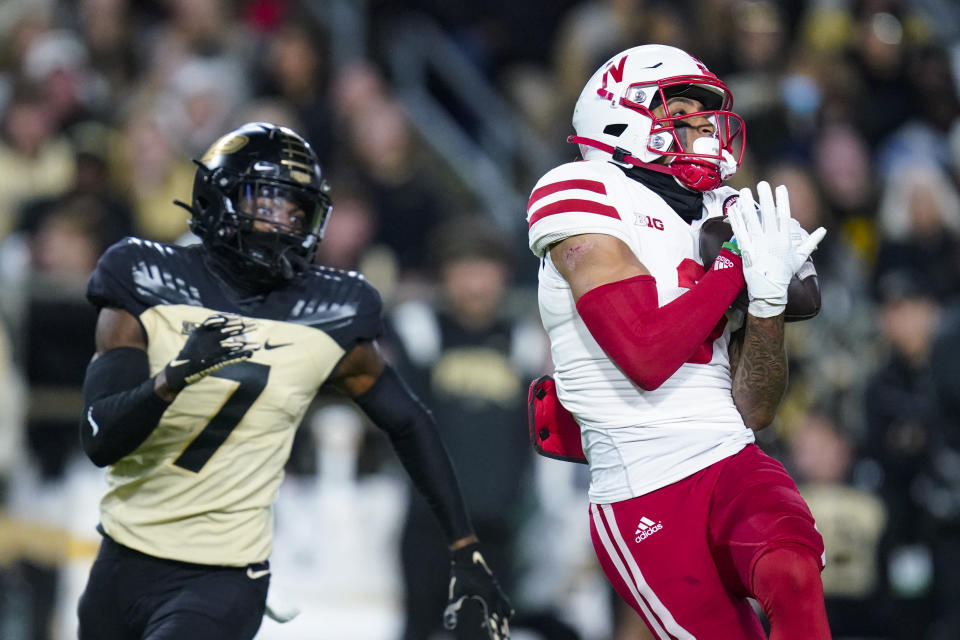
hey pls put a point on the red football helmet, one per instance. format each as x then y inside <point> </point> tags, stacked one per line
<point>614,116</point>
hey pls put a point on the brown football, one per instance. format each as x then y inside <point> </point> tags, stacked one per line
<point>803,294</point>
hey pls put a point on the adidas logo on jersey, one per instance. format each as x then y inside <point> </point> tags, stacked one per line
<point>722,262</point>
<point>646,528</point>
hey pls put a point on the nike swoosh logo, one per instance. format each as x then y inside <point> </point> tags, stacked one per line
<point>267,345</point>
<point>94,427</point>
<point>478,559</point>
<point>255,575</point>
<point>177,363</point>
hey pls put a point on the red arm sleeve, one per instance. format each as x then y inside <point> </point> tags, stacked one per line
<point>648,342</point>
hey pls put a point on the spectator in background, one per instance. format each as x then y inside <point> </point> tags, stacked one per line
<point>268,109</point>
<point>919,222</point>
<point>843,168</point>
<point>382,150</point>
<point>589,33</point>
<point>193,28</point>
<point>199,99</point>
<point>294,69</point>
<point>92,188</point>
<point>923,139</point>
<point>881,101</point>
<point>58,63</point>
<point>12,452</point>
<point>108,30</point>
<point>348,235</point>
<point>826,354</point>
<point>34,159</point>
<point>64,247</point>
<point>836,260</point>
<point>53,341</point>
<point>851,519</point>
<point>955,152</point>
<point>197,71</point>
<point>756,59</point>
<point>470,363</point>
<point>903,418</point>
<point>943,489</point>
<point>152,172</point>
<point>22,25</point>
<point>493,35</point>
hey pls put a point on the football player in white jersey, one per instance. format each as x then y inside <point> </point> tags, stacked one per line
<point>667,382</point>
<point>207,359</point>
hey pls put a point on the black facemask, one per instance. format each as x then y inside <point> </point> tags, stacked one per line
<point>688,204</point>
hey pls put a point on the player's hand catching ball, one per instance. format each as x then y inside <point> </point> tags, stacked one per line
<point>772,252</point>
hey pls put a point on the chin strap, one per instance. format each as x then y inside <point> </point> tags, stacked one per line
<point>619,154</point>
<point>698,176</point>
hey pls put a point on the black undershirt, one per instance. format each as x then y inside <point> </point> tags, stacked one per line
<point>688,204</point>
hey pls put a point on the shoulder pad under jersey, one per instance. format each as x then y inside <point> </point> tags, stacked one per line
<point>135,274</point>
<point>340,303</point>
<point>574,198</point>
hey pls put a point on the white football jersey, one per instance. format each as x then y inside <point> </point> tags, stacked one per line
<point>636,441</point>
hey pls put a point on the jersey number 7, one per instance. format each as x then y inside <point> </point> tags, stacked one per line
<point>252,377</point>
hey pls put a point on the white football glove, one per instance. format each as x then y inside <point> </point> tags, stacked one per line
<point>772,246</point>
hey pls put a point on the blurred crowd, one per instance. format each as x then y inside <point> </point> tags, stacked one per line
<point>853,104</point>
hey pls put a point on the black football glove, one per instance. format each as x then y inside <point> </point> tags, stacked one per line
<point>215,343</point>
<point>470,577</point>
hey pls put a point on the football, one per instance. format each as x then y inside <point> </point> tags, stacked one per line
<point>803,294</point>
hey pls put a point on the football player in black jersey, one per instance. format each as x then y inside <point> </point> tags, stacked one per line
<point>207,358</point>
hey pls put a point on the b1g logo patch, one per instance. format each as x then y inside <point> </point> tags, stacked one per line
<point>647,221</point>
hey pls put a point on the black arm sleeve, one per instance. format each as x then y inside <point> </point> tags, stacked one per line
<point>120,406</point>
<point>413,433</point>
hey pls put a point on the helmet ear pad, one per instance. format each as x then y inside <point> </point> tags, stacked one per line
<point>214,216</point>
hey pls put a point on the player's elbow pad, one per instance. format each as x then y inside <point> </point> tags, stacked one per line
<point>121,408</point>
<point>650,343</point>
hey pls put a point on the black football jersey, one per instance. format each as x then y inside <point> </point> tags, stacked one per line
<point>199,489</point>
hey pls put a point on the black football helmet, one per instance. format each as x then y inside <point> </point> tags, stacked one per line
<point>259,196</point>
